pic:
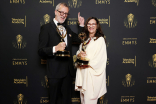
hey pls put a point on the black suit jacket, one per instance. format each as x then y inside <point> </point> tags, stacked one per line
<point>57,67</point>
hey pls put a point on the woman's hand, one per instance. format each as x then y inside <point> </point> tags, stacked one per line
<point>82,54</point>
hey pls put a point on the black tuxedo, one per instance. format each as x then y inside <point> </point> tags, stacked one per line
<point>58,68</point>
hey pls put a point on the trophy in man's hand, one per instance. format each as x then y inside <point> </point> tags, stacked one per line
<point>62,53</point>
<point>83,61</point>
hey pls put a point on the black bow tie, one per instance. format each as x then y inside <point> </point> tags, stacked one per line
<point>63,24</point>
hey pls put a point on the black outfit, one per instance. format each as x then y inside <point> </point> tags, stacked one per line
<point>59,69</point>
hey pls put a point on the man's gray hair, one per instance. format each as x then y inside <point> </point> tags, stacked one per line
<point>58,6</point>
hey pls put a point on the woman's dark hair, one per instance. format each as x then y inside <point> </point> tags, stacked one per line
<point>98,33</point>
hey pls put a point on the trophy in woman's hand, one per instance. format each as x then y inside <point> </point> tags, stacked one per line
<point>83,61</point>
<point>62,53</point>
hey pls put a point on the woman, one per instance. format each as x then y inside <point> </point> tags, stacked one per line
<point>91,81</point>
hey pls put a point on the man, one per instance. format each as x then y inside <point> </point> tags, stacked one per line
<point>59,69</point>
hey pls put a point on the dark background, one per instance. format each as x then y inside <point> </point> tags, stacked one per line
<point>35,92</point>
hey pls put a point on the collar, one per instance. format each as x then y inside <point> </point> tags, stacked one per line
<point>55,21</point>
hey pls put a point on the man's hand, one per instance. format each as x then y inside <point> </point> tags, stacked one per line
<point>81,20</point>
<point>60,47</point>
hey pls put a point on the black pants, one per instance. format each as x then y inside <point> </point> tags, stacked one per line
<point>60,90</point>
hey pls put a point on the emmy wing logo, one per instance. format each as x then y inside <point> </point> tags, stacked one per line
<point>20,99</point>
<point>46,19</point>
<point>17,1</point>
<point>102,100</point>
<point>130,22</point>
<point>128,81</point>
<point>20,43</point>
<point>102,1</point>
<point>136,1</point>
<point>154,2</point>
<point>152,62</point>
<point>75,3</point>
<point>44,82</point>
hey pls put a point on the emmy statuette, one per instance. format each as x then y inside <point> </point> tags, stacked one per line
<point>62,53</point>
<point>83,61</point>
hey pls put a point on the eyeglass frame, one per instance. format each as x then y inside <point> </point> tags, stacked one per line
<point>93,24</point>
<point>66,14</point>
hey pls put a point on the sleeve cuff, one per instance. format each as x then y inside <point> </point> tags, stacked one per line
<point>53,50</point>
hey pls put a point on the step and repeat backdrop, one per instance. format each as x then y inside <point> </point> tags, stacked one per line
<point>130,30</point>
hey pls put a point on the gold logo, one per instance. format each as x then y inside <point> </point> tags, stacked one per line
<point>43,61</point>
<point>127,99</point>
<point>102,100</point>
<point>128,81</point>
<point>19,61</point>
<point>154,2</point>
<point>20,99</point>
<point>17,1</point>
<point>152,62</point>
<point>72,21</point>
<point>107,80</point>
<point>130,60</point>
<point>136,1</point>
<point>75,3</point>
<point>152,20</point>
<point>44,100</point>
<point>20,43</point>
<point>102,1</point>
<point>130,22</point>
<point>47,1</point>
<point>46,19</point>
<point>105,21</point>
<point>151,98</point>
<point>107,44</point>
<point>21,81</point>
<point>151,79</point>
<point>44,83</point>
<point>75,100</point>
<point>129,41</point>
<point>152,40</point>
<point>107,61</point>
<point>19,21</point>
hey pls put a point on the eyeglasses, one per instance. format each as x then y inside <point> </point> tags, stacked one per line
<point>62,13</point>
<point>93,24</point>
